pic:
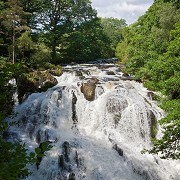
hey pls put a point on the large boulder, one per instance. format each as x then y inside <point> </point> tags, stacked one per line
<point>88,88</point>
<point>36,81</point>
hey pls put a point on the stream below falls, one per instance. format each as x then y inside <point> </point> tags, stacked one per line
<point>98,121</point>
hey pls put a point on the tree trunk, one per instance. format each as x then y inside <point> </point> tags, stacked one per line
<point>13,45</point>
<point>54,51</point>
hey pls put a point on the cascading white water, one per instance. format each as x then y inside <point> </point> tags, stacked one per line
<point>94,138</point>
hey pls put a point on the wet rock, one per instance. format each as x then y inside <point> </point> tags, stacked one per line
<point>54,124</point>
<point>78,73</point>
<point>86,72</point>
<point>66,150</point>
<point>153,124</point>
<point>116,104</point>
<point>117,118</point>
<point>72,176</point>
<point>38,136</point>
<point>30,129</point>
<point>152,96</point>
<point>119,87</point>
<point>36,81</point>
<point>61,162</point>
<point>73,63</point>
<point>104,66</point>
<point>76,159</point>
<point>139,80</point>
<point>74,115</point>
<point>88,89</point>
<point>126,76</point>
<point>119,150</point>
<point>143,173</point>
<point>42,135</point>
<point>110,73</point>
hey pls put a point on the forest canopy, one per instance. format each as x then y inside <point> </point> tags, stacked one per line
<point>67,30</point>
<point>151,52</point>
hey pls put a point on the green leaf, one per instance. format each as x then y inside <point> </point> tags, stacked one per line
<point>37,150</point>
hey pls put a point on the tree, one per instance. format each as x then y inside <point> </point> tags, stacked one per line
<point>150,50</point>
<point>168,145</point>
<point>113,29</point>
<point>33,8</point>
<point>25,46</point>
<point>87,42</point>
<point>13,21</point>
<point>62,16</point>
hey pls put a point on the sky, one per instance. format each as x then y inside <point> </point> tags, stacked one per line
<point>130,10</point>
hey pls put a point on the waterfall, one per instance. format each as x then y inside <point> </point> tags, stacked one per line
<point>98,122</point>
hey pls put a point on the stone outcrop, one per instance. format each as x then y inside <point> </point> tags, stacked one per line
<point>88,88</point>
<point>36,81</point>
<point>153,124</point>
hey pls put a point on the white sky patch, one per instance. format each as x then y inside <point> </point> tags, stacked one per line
<point>130,10</point>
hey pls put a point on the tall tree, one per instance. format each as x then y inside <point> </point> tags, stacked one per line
<point>113,29</point>
<point>12,18</point>
<point>62,16</point>
<point>87,42</point>
<point>34,8</point>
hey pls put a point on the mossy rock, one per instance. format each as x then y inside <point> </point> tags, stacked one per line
<point>78,73</point>
<point>117,118</point>
<point>36,81</point>
<point>56,70</point>
<point>153,125</point>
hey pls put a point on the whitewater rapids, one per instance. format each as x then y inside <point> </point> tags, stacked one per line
<point>97,139</point>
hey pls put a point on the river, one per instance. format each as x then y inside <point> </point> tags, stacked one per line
<point>98,121</point>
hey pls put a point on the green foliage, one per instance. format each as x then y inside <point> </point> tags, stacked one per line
<point>13,156</point>
<point>43,147</point>
<point>87,42</point>
<point>113,29</point>
<point>13,160</point>
<point>62,17</point>
<point>168,146</point>
<point>41,56</point>
<point>25,46</point>
<point>151,51</point>
<point>13,22</point>
<point>154,131</point>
